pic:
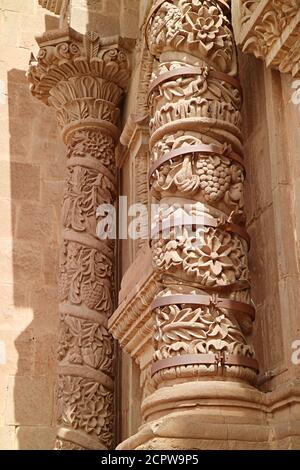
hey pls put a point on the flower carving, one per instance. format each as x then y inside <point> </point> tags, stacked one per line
<point>209,256</point>
<point>214,255</point>
<point>85,405</point>
<point>204,26</point>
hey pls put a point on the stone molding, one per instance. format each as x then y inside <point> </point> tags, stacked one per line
<point>131,323</point>
<point>270,29</point>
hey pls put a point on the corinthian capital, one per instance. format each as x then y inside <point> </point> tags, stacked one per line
<point>82,77</point>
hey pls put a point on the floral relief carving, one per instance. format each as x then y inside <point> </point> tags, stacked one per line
<point>195,86</point>
<point>197,27</point>
<point>85,342</point>
<point>209,256</point>
<point>214,180</point>
<point>73,57</point>
<point>200,108</point>
<point>195,108</point>
<point>93,144</point>
<point>85,190</point>
<point>85,277</point>
<point>187,330</point>
<point>248,7</point>
<point>86,97</point>
<point>87,405</point>
<point>84,78</point>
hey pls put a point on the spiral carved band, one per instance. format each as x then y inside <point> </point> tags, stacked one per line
<point>205,221</point>
<point>187,71</point>
<point>219,360</point>
<point>205,150</point>
<point>204,300</point>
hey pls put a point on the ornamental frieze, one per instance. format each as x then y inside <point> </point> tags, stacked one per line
<point>270,29</point>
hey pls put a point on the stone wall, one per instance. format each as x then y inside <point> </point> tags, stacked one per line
<point>32,172</point>
<point>271,134</point>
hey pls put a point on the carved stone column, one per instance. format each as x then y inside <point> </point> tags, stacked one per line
<point>204,365</point>
<point>84,78</point>
<point>195,101</point>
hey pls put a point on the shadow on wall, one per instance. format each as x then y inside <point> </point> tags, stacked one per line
<point>37,170</point>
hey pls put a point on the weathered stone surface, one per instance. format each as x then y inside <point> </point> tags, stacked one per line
<point>32,175</point>
<point>24,236</point>
<point>35,222</point>
<point>35,437</point>
<point>25,401</point>
<point>7,438</point>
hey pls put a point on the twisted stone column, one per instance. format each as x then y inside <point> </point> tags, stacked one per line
<point>84,78</point>
<point>202,311</point>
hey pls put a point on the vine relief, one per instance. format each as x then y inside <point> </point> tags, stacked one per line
<point>84,79</point>
<point>195,104</point>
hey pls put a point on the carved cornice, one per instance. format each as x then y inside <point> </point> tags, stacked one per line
<point>136,129</point>
<point>133,124</point>
<point>270,29</point>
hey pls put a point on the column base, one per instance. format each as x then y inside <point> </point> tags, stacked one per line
<point>209,415</point>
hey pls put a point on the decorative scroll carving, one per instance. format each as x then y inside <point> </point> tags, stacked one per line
<point>86,276</point>
<point>270,30</point>
<point>83,79</point>
<point>85,342</point>
<point>196,150</point>
<point>182,329</point>
<point>65,54</point>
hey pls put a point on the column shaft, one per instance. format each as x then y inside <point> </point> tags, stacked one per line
<point>83,79</point>
<point>202,312</point>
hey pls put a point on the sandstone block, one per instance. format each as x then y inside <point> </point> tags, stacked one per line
<point>35,437</point>
<point>29,401</point>
<point>35,223</point>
